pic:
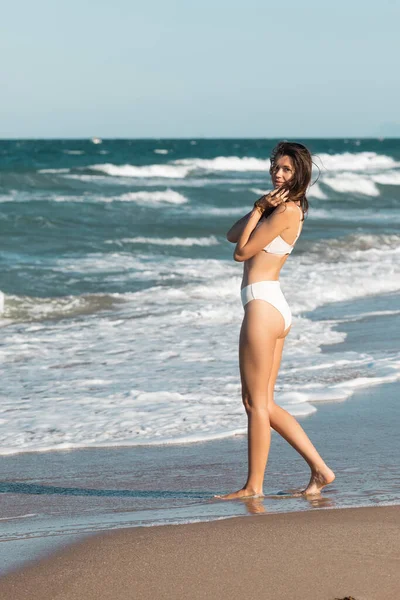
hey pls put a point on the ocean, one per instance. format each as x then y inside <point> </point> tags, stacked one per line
<point>121,299</point>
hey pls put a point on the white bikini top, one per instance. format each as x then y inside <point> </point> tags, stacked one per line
<point>279,246</point>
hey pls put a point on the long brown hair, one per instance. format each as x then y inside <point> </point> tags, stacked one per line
<point>302,162</point>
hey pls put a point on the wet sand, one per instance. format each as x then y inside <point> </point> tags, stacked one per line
<point>321,555</point>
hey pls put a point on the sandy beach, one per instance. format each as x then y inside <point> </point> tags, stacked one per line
<point>323,555</point>
<point>51,499</point>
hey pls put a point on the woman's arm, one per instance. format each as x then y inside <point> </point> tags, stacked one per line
<point>246,232</point>
<point>249,245</point>
<point>265,205</point>
<point>236,229</point>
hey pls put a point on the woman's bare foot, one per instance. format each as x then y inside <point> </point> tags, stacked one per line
<point>243,493</point>
<point>319,479</point>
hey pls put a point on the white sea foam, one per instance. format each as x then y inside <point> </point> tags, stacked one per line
<point>344,173</point>
<point>365,215</point>
<point>11,196</point>
<point>168,196</point>
<point>96,178</point>
<point>361,269</point>
<point>27,309</point>
<point>350,182</point>
<point>153,198</point>
<point>315,191</point>
<point>389,178</point>
<point>25,516</point>
<point>107,411</point>
<point>165,171</point>
<point>160,365</point>
<point>80,198</point>
<point>225,163</point>
<point>374,313</point>
<point>174,241</point>
<point>374,260</point>
<point>358,172</point>
<point>258,191</point>
<point>54,170</point>
<point>356,247</point>
<point>215,210</point>
<point>355,161</point>
<point>181,168</point>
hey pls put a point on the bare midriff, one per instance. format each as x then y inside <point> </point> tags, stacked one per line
<point>262,267</point>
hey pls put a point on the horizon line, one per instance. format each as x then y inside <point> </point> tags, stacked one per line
<point>86,138</point>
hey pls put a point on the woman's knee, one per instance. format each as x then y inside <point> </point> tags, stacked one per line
<point>246,401</point>
<point>255,402</point>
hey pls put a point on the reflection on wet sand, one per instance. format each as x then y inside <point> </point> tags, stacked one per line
<point>258,505</point>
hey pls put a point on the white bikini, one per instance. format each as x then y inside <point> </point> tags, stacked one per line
<point>270,291</point>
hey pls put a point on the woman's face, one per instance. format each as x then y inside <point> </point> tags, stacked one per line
<point>282,171</point>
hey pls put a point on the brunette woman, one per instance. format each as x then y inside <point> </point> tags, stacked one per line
<point>264,239</point>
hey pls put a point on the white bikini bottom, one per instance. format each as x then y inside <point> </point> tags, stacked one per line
<point>271,292</point>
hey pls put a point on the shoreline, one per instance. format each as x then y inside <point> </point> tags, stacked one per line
<point>58,496</point>
<point>323,554</point>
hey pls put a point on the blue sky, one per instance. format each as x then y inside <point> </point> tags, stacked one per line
<point>200,69</point>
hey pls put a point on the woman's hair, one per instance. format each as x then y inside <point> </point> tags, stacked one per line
<point>302,162</point>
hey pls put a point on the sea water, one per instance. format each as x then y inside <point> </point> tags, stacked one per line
<point>121,298</point>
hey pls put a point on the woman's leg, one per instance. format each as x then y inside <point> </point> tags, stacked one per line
<point>262,324</point>
<point>292,432</point>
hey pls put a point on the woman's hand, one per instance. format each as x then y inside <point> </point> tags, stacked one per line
<point>271,200</point>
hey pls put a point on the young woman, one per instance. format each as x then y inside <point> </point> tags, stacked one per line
<point>264,239</point>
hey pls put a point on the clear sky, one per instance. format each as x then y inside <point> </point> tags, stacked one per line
<point>209,68</point>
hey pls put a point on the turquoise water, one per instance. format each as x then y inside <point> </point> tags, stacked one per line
<point>69,200</point>
<point>121,298</point>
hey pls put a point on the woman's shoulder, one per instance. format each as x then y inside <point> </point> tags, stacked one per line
<point>292,206</point>
<point>288,209</point>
